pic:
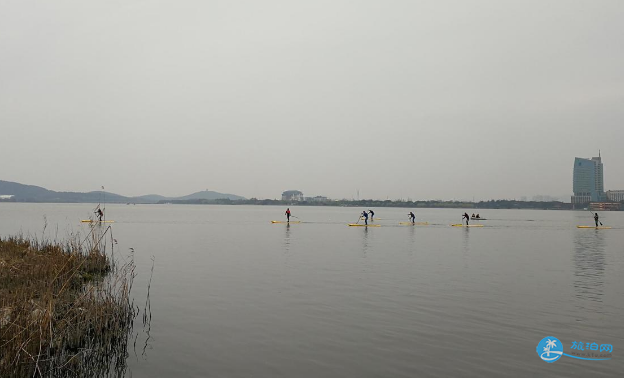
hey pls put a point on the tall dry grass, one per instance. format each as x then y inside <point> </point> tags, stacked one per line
<point>65,309</point>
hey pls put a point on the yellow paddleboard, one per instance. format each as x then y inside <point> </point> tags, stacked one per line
<point>96,221</point>
<point>470,225</point>
<point>594,227</point>
<point>285,222</point>
<point>364,225</point>
<point>415,224</point>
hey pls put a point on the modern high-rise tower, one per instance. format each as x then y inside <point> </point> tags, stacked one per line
<point>588,181</point>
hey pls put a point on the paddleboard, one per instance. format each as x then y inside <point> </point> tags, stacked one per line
<point>291,222</point>
<point>414,224</point>
<point>470,225</point>
<point>594,227</point>
<point>96,221</point>
<point>364,225</point>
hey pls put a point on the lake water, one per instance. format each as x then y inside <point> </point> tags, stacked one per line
<point>236,296</point>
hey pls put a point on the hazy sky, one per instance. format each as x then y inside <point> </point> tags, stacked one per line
<point>419,99</point>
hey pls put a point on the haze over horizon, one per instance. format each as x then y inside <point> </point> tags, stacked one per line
<point>422,100</point>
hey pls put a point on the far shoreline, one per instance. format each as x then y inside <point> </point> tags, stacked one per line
<point>434,204</point>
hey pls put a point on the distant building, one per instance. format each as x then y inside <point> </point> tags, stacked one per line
<point>588,181</point>
<point>604,206</point>
<point>6,196</point>
<point>292,195</point>
<point>615,195</point>
<point>316,199</point>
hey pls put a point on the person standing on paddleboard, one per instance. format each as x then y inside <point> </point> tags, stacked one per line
<point>365,216</point>
<point>412,216</point>
<point>99,214</point>
<point>372,214</point>
<point>596,218</point>
<point>467,218</point>
<point>287,213</point>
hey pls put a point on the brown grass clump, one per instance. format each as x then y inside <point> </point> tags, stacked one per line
<point>65,309</point>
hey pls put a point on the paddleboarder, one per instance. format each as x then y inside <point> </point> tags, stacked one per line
<point>596,218</point>
<point>365,216</point>
<point>412,216</point>
<point>287,213</point>
<point>467,218</point>
<point>99,214</point>
<point>372,214</point>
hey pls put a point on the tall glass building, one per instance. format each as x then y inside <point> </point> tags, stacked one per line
<point>588,181</point>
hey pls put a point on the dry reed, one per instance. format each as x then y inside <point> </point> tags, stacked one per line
<point>65,309</point>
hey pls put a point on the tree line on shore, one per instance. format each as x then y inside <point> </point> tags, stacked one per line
<point>491,204</point>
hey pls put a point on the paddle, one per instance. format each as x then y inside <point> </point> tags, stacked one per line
<point>594,215</point>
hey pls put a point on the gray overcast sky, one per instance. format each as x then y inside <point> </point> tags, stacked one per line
<point>418,99</point>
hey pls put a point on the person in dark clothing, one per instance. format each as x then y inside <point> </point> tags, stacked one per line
<point>365,216</point>
<point>287,213</point>
<point>99,213</point>
<point>596,218</point>
<point>372,214</point>
<point>412,217</point>
<point>467,218</point>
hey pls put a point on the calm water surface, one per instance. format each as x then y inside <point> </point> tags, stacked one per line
<point>236,296</point>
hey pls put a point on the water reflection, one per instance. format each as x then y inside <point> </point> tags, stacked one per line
<point>365,241</point>
<point>287,238</point>
<point>466,239</point>
<point>589,263</point>
<point>466,245</point>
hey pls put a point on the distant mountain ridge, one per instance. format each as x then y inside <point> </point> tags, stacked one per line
<point>31,193</point>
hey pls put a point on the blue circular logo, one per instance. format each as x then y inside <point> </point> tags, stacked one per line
<point>550,349</point>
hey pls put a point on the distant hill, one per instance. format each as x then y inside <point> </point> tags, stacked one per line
<point>149,198</point>
<point>208,195</point>
<point>31,193</point>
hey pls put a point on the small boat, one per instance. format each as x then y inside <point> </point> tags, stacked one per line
<point>475,218</point>
<point>363,225</point>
